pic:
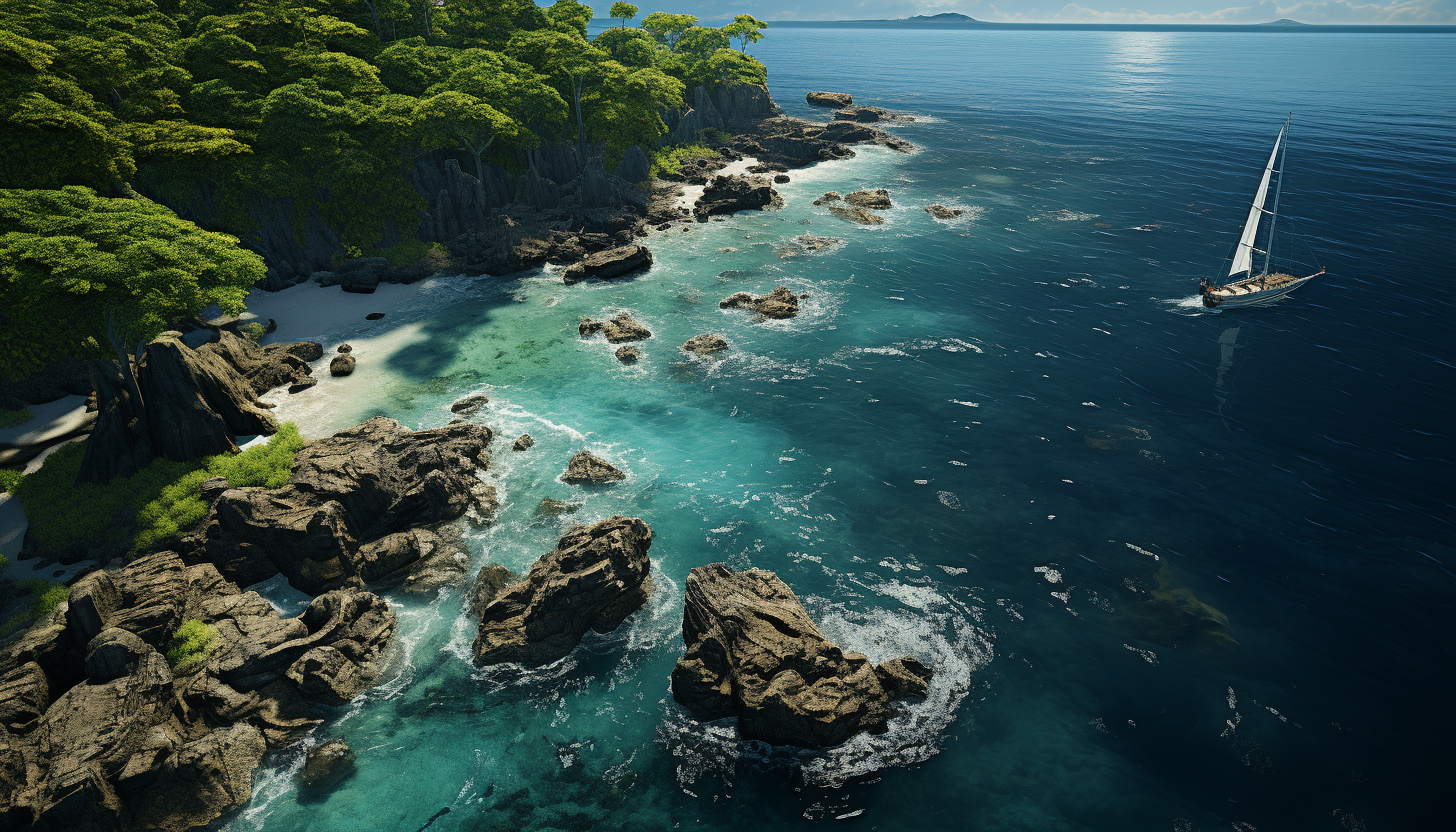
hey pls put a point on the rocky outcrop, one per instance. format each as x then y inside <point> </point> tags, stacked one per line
<point>830,196</point>
<point>794,143</point>
<point>829,99</point>
<point>470,405</point>
<point>594,578</point>
<point>879,198</point>
<point>941,212</point>
<point>522,442</point>
<point>326,765</point>
<point>780,303</point>
<point>870,115</point>
<point>615,262</point>
<point>101,733</point>
<point>809,244</point>
<point>753,652</point>
<point>342,365</point>
<point>588,468</point>
<point>347,491</point>
<point>730,194</point>
<point>628,355</point>
<point>265,367</point>
<point>856,215</point>
<point>620,329</point>
<point>705,344</point>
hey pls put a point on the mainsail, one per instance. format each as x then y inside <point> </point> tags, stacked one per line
<point>1244,255</point>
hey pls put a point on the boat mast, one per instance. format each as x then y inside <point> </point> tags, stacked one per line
<point>1274,214</point>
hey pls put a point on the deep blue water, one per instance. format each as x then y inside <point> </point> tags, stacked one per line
<point>988,442</point>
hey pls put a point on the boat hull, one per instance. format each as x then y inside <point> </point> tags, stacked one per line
<point>1253,291</point>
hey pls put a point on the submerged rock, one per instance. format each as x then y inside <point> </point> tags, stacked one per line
<point>829,99</point>
<point>470,405</point>
<point>628,355</point>
<point>780,303</point>
<point>586,467</point>
<point>857,215</point>
<point>594,578</point>
<point>941,212</point>
<point>705,344</point>
<point>877,198</point>
<point>327,764</point>
<point>753,652</point>
<point>556,508</point>
<point>522,442</point>
<point>613,262</point>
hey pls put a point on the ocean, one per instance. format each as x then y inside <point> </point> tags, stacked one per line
<point>1176,569</point>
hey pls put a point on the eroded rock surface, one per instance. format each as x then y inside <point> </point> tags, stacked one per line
<point>628,355</point>
<point>470,405</point>
<point>941,212</point>
<point>613,262</point>
<point>877,198</point>
<point>621,328</point>
<point>705,344</point>
<point>587,467</point>
<point>829,99</point>
<point>730,194</point>
<point>780,303</point>
<point>753,652</point>
<point>594,578</point>
<point>856,215</point>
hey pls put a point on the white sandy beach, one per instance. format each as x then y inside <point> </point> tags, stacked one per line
<point>691,193</point>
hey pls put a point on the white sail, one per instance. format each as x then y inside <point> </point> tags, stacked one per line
<point>1244,255</point>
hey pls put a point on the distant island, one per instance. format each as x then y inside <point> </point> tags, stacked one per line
<point>1284,21</point>
<point>943,17</point>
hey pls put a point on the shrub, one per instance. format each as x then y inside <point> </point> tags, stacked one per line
<point>670,159</point>
<point>191,645</point>
<point>153,506</point>
<point>14,418</point>
<point>47,596</point>
<point>9,479</point>
<point>253,331</point>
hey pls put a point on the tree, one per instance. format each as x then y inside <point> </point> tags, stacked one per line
<point>745,29</point>
<point>626,105</point>
<point>464,120</point>
<point>623,12</point>
<point>513,88</point>
<point>700,42</point>
<point>632,47</point>
<point>76,268</point>
<point>570,16</point>
<point>668,28</point>
<point>566,59</point>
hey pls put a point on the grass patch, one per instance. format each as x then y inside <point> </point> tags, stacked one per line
<point>148,509</point>
<point>14,418</point>
<point>670,159</point>
<point>46,597</point>
<point>190,646</point>
<point>9,479</point>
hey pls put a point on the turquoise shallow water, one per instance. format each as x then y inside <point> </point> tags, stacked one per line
<point>984,442</point>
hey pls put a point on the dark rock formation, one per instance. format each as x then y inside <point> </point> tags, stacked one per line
<point>522,442</point>
<point>831,196</point>
<point>302,385</point>
<point>780,303</point>
<point>608,264</point>
<point>326,765</point>
<point>730,194</point>
<point>420,560</point>
<point>620,329</point>
<point>634,166</point>
<point>342,365</point>
<point>705,344</point>
<point>878,198</point>
<point>628,355</point>
<point>752,652</point>
<point>101,734</point>
<point>586,467</point>
<point>829,99</point>
<point>350,489</point>
<point>781,178</point>
<point>265,367</point>
<point>556,508</point>
<point>212,488</point>
<point>470,405</point>
<point>856,215</point>
<point>374,316</point>
<point>344,349</point>
<point>594,578</point>
<point>488,584</point>
<point>941,212</point>
<point>869,115</point>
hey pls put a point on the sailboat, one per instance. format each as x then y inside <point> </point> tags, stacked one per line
<point>1244,287</point>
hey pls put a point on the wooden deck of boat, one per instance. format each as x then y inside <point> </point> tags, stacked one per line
<point>1254,285</point>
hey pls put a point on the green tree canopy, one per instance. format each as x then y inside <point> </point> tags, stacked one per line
<point>623,12</point>
<point>745,29</point>
<point>700,42</point>
<point>454,118</point>
<point>570,16</point>
<point>668,28</point>
<point>71,261</point>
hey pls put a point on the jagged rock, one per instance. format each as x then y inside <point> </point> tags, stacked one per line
<point>730,194</point>
<point>628,355</point>
<point>831,196</point>
<point>522,442</point>
<point>753,652</point>
<point>556,508</point>
<point>829,99</point>
<point>212,488</point>
<point>621,328</point>
<point>866,115</point>
<point>307,350</point>
<point>585,467</point>
<point>326,764</point>
<point>264,367</point>
<point>705,344</point>
<point>112,654</point>
<point>483,504</point>
<point>302,385</point>
<point>342,365</point>
<point>25,692</point>
<point>594,578</point>
<point>614,262</point>
<point>344,349</point>
<point>780,303</point>
<point>349,628</point>
<point>905,676</point>
<point>878,198</point>
<point>470,405</point>
<point>857,215</point>
<point>395,558</point>
<point>488,583</point>
<point>941,212</point>
<point>634,166</point>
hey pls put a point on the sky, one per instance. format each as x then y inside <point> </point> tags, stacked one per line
<point>1087,11</point>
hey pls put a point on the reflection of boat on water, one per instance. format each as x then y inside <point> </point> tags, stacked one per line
<point>1251,289</point>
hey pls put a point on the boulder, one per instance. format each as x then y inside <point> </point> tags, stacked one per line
<point>780,303</point>
<point>628,355</point>
<point>878,198</point>
<point>342,365</point>
<point>522,442</point>
<point>608,264</point>
<point>374,316</point>
<point>264,367</point>
<point>594,578</point>
<point>326,764</point>
<point>781,178</point>
<point>344,349</point>
<point>586,467</point>
<point>730,194</point>
<point>470,405</point>
<point>829,99</point>
<point>555,508</point>
<point>212,488</point>
<point>830,196</point>
<point>857,215</point>
<point>307,350</point>
<point>113,654</point>
<point>705,344</point>
<point>941,212</point>
<point>621,328</point>
<point>754,653</point>
<point>302,385</point>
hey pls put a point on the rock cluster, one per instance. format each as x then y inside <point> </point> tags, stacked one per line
<point>941,212</point>
<point>705,344</point>
<point>594,578</point>
<point>730,194</point>
<point>879,198</point>
<point>620,329</point>
<point>588,468</point>
<point>628,355</point>
<point>869,115</point>
<point>752,652</point>
<point>470,405</point>
<point>856,215</point>
<point>829,99</point>
<point>614,262</point>
<point>328,527</point>
<point>780,303</point>
<point>100,732</point>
